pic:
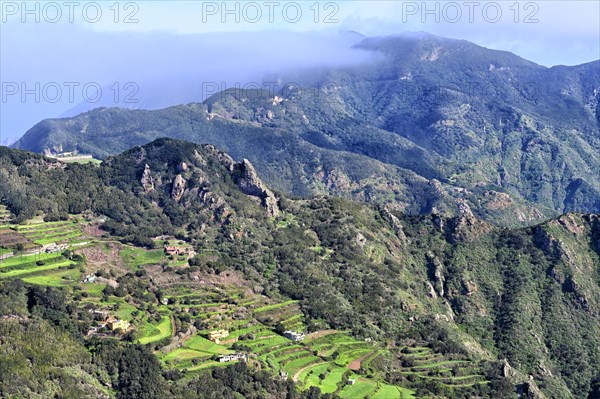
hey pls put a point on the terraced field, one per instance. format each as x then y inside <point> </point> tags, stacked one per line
<point>287,313</point>
<point>157,331</point>
<point>56,279</point>
<point>324,360</point>
<point>422,363</point>
<point>329,360</point>
<point>51,232</point>
<point>5,216</point>
<point>37,262</point>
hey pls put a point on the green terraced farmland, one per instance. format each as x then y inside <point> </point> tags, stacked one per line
<point>135,257</point>
<point>265,342</point>
<point>295,365</point>
<point>48,232</point>
<point>25,259</point>
<point>361,388</point>
<point>37,269</point>
<point>156,332</point>
<point>66,277</point>
<point>333,376</point>
<point>386,391</point>
<point>182,354</point>
<point>202,344</point>
<point>274,306</point>
<point>125,310</point>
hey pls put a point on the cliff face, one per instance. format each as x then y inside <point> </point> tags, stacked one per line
<point>248,181</point>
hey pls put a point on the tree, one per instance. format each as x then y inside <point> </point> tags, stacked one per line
<point>139,375</point>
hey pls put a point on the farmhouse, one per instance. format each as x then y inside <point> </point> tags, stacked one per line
<point>175,250</point>
<point>171,250</point>
<point>233,357</point>
<point>294,336</point>
<point>90,278</point>
<point>217,335</point>
<point>54,247</point>
<point>116,324</point>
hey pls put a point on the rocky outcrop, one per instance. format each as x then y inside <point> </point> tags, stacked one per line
<point>147,180</point>
<point>531,390</point>
<point>394,222</point>
<point>465,228</point>
<point>247,180</point>
<point>436,273</point>
<point>464,209</point>
<point>182,167</point>
<point>178,189</point>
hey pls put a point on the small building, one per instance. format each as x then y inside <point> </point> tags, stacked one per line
<point>294,336</point>
<point>175,250</point>
<point>283,375</point>
<point>54,247</point>
<point>217,335</point>
<point>233,357</point>
<point>116,324</point>
<point>90,278</point>
<point>171,250</point>
<point>351,381</point>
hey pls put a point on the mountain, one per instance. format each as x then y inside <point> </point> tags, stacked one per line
<point>428,124</point>
<point>516,308</point>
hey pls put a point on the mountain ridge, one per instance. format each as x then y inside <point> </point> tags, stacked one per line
<point>514,141</point>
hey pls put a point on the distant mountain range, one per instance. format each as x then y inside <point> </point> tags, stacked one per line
<point>429,125</point>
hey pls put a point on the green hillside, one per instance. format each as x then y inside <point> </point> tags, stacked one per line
<point>392,305</point>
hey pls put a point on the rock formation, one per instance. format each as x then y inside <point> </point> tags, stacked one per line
<point>247,180</point>
<point>178,188</point>
<point>147,180</point>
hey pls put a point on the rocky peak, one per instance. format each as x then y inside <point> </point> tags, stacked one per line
<point>465,228</point>
<point>147,180</point>
<point>247,180</point>
<point>178,189</point>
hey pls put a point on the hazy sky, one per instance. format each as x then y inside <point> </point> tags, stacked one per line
<point>55,55</point>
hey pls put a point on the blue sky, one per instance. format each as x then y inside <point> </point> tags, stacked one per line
<point>61,54</point>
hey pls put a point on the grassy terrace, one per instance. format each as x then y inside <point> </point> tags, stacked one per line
<point>156,332</point>
<point>24,260</point>
<point>427,365</point>
<point>135,257</point>
<point>43,233</point>
<point>360,389</point>
<point>55,279</point>
<point>274,306</point>
<point>51,269</point>
<point>30,271</point>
